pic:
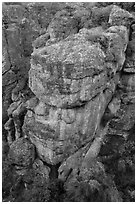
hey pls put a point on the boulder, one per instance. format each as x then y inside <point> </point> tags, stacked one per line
<point>57,133</point>
<point>62,25</point>
<point>73,71</point>
<point>22,152</point>
<point>74,81</point>
<point>78,116</point>
<point>41,169</point>
<point>120,16</point>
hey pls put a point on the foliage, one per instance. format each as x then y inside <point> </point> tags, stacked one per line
<point>10,180</point>
<point>37,191</point>
<point>57,192</point>
<point>34,187</point>
<point>15,189</point>
<point>121,165</point>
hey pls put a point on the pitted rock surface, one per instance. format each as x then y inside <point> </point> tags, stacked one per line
<point>22,152</point>
<point>63,131</point>
<point>119,16</point>
<point>75,70</point>
<point>68,90</point>
<point>74,80</point>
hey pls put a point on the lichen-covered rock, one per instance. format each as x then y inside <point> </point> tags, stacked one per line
<point>125,119</point>
<point>5,56</point>
<point>127,84</point>
<point>84,158</point>
<point>61,132</point>
<point>120,16</point>
<point>22,152</point>
<point>13,37</point>
<point>9,126</point>
<point>9,79</point>
<point>129,66</point>
<point>6,98</point>
<point>74,70</point>
<point>17,47</point>
<point>74,80</point>
<point>41,169</point>
<point>81,115</point>
<point>62,25</point>
<point>114,105</point>
<point>100,16</point>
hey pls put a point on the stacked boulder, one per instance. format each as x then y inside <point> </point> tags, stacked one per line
<point>74,80</point>
<point>78,71</point>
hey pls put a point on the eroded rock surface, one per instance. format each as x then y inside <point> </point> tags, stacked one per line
<point>79,67</point>
<point>22,152</point>
<point>74,81</point>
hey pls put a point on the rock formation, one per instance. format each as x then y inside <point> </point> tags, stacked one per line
<point>80,72</point>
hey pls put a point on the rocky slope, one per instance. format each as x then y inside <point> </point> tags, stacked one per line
<point>68,101</point>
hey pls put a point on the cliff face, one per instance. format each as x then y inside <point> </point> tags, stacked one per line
<point>68,96</point>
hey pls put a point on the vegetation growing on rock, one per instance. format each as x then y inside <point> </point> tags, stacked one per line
<point>68,101</point>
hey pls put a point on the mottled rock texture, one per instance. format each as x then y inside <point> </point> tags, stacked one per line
<point>22,152</point>
<point>74,80</point>
<point>68,98</point>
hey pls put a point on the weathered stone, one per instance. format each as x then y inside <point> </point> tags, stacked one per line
<point>16,110</point>
<point>26,37</point>
<point>21,171</point>
<point>31,104</point>
<point>83,158</point>
<point>75,79</point>
<point>100,16</point>
<point>72,164</point>
<point>9,126</point>
<point>120,16</point>
<point>6,65</point>
<point>129,6</point>
<point>118,40</point>
<point>69,71</point>
<point>41,169</point>
<point>14,47</point>
<point>22,152</point>
<point>57,133</point>
<point>128,82</point>
<point>13,60</point>
<point>13,107</point>
<point>93,180</point>
<point>9,78</point>
<point>129,65</point>
<point>62,25</point>
<point>124,122</point>
<point>13,13</point>
<point>82,15</point>
<point>6,100</point>
<point>41,41</point>
<point>114,105</point>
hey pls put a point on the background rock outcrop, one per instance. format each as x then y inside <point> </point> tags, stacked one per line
<point>69,101</point>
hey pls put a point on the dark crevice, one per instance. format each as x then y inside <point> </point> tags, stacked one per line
<point>7,85</point>
<point>54,171</point>
<point>109,155</point>
<point>6,71</point>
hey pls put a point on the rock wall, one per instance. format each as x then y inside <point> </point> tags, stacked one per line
<point>68,92</point>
